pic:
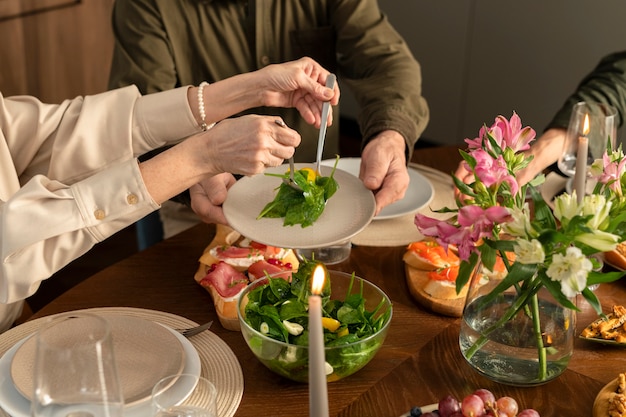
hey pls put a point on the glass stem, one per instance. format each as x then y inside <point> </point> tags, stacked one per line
<point>541,350</point>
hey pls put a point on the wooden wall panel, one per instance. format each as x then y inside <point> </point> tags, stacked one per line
<point>57,53</point>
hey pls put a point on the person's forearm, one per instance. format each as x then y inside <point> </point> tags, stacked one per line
<point>174,170</point>
<point>227,97</point>
<point>545,151</point>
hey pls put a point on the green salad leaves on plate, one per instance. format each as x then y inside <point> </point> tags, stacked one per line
<point>301,207</point>
<point>279,310</point>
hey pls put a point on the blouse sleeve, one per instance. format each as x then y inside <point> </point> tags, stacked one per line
<point>69,176</point>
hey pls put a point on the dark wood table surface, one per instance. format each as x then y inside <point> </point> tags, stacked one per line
<point>419,363</point>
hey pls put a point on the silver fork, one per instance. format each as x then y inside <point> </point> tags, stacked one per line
<point>192,331</point>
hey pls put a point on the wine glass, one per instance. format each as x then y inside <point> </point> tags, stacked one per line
<point>184,395</point>
<point>75,374</point>
<point>600,130</point>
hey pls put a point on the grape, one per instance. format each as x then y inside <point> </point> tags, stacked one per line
<point>448,405</point>
<point>528,413</point>
<point>487,396</point>
<point>481,403</point>
<point>472,406</point>
<point>415,412</point>
<point>507,405</point>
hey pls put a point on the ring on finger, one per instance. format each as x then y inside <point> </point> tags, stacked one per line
<point>280,123</point>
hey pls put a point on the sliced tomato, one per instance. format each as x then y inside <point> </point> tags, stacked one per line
<point>445,274</point>
<point>434,253</point>
<point>272,267</point>
<point>227,281</point>
<point>268,251</point>
<point>499,265</point>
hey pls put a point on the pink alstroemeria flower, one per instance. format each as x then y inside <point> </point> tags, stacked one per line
<point>492,171</point>
<point>506,134</point>
<point>446,234</point>
<point>513,135</point>
<point>612,172</point>
<point>475,223</point>
<point>481,220</point>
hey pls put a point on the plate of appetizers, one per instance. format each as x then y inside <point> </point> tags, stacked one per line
<point>608,330</point>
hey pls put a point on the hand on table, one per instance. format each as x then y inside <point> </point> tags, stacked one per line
<point>383,168</point>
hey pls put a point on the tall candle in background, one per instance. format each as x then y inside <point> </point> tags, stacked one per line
<point>318,390</point>
<point>580,176</point>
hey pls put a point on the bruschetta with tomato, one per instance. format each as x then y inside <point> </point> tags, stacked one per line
<point>431,273</point>
<point>230,262</point>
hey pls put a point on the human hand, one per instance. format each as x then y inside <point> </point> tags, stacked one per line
<point>299,84</point>
<point>383,168</point>
<point>545,151</point>
<point>208,196</point>
<point>247,145</point>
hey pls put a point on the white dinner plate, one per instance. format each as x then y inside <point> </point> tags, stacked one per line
<point>18,406</point>
<point>417,196</point>
<point>346,213</point>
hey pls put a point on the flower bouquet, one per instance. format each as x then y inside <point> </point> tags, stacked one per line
<point>556,252</point>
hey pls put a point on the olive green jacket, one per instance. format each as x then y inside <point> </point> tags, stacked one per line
<point>161,44</point>
<point>605,84</point>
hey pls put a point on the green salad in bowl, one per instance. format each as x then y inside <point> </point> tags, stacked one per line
<point>273,314</point>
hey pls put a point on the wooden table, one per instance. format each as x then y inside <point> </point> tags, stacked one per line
<point>419,363</point>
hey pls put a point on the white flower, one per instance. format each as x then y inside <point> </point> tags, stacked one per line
<point>529,252</point>
<point>566,207</point>
<point>596,205</point>
<point>597,168</point>
<point>570,270</point>
<point>520,223</point>
<point>599,240</point>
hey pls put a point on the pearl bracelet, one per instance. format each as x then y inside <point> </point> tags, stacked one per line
<point>203,124</point>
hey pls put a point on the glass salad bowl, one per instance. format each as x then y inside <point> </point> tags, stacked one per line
<point>274,320</point>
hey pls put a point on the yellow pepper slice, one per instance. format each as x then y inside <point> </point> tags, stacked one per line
<point>310,174</point>
<point>343,332</point>
<point>330,324</point>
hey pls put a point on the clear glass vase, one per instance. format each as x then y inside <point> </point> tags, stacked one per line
<point>526,348</point>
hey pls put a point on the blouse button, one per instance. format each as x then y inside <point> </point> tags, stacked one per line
<point>99,214</point>
<point>265,60</point>
<point>132,199</point>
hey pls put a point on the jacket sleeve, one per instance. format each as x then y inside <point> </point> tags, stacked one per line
<point>142,54</point>
<point>69,176</point>
<point>379,67</point>
<point>605,84</point>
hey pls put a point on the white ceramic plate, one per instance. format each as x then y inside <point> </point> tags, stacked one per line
<point>18,406</point>
<point>346,213</point>
<point>418,195</point>
<point>145,353</point>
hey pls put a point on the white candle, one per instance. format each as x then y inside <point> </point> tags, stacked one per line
<point>580,176</point>
<point>318,390</point>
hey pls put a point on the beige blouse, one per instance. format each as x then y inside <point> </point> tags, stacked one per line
<point>69,177</point>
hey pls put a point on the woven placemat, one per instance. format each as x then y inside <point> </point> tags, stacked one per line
<point>401,230</point>
<point>219,363</point>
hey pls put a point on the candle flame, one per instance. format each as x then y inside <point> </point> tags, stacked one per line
<point>319,276</point>
<point>586,125</point>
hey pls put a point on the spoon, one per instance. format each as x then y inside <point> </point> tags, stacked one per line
<point>330,83</point>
